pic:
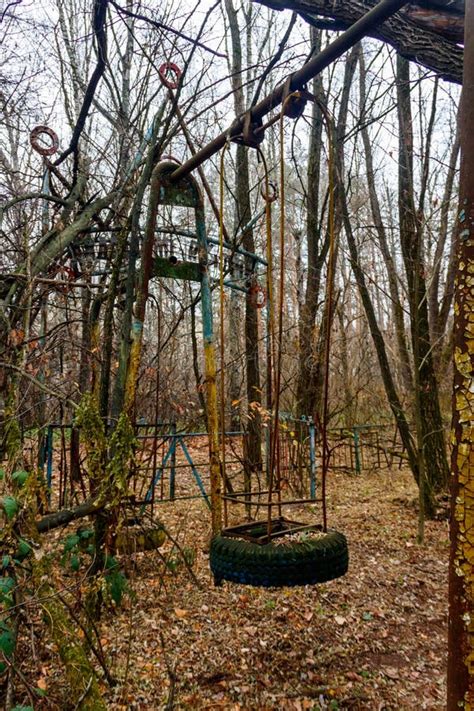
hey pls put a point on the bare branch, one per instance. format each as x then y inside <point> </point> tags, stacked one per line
<point>167,28</point>
<point>100,14</point>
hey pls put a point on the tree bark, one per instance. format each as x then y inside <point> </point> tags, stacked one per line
<point>439,308</point>
<point>395,303</point>
<point>253,440</point>
<point>311,375</point>
<point>306,392</point>
<point>461,562</point>
<point>379,344</point>
<point>434,51</point>
<point>432,441</point>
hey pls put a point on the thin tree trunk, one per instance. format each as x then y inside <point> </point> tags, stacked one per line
<point>379,344</point>
<point>118,391</point>
<point>235,315</point>
<point>307,377</point>
<point>253,440</point>
<point>396,306</point>
<point>194,345</point>
<point>346,381</point>
<point>254,396</point>
<point>432,443</point>
<point>439,309</point>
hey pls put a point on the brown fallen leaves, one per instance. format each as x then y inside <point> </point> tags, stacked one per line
<point>374,639</point>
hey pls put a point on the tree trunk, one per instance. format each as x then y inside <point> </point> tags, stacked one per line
<point>440,307</point>
<point>432,436</point>
<point>396,306</point>
<point>379,344</point>
<point>311,378</point>
<point>461,562</point>
<point>235,316</point>
<point>194,345</point>
<point>253,440</point>
<point>306,386</point>
<point>254,395</point>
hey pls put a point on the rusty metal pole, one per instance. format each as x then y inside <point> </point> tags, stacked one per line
<point>186,193</point>
<point>216,474</point>
<point>461,563</point>
<point>297,80</point>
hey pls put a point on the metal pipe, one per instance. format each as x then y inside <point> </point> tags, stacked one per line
<point>297,80</point>
<point>239,250</point>
<point>212,240</point>
<point>231,285</point>
<point>250,224</point>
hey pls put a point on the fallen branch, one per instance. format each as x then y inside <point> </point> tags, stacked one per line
<point>65,516</point>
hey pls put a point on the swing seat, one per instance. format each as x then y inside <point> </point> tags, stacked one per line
<point>296,562</point>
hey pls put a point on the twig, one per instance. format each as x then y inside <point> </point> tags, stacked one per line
<point>14,670</point>
<point>167,28</point>
<point>171,675</point>
<point>5,13</point>
<point>129,647</point>
<point>97,652</point>
<point>276,57</point>
<point>38,383</point>
<point>188,566</point>
<point>100,15</point>
<point>31,196</point>
<point>84,694</point>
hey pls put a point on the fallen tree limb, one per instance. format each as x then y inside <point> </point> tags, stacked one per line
<point>65,516</point>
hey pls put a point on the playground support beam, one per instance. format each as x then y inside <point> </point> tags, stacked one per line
<point>461,561</point>
<point>296,81</point>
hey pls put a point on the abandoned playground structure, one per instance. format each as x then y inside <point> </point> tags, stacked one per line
<point>278,461</point>
<point>173,465</point>
<point>290,461</point>
<point>226,355</point>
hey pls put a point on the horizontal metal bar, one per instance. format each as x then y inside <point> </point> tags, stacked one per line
<point>216,242</point>
<point>233,286</point>
<point>239,250</point>
<point>178,233</point>
<point>250,493</point>
<point>168,500</point>
<point>145,466</point>
<point>290,502</point>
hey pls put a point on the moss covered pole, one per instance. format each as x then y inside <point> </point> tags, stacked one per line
<point>461,567</point>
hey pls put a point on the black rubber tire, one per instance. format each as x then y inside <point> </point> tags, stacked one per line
<point>308,562</point>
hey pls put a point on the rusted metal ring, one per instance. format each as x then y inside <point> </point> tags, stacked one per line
<point>169,67</point>
<point>44,150</point>
<point>257,296</point>
<point>272,194</point>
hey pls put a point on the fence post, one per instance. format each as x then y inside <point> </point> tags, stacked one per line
<point>49,460</point>
<point>173,462</point>
<point>312,458</point>
<point>358,467</point>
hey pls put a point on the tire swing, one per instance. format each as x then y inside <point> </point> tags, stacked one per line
<point>277,551</point>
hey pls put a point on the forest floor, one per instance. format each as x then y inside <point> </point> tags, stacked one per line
<point>375,639</point>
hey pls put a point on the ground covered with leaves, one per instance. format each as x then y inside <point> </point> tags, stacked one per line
<point>374,639</point>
